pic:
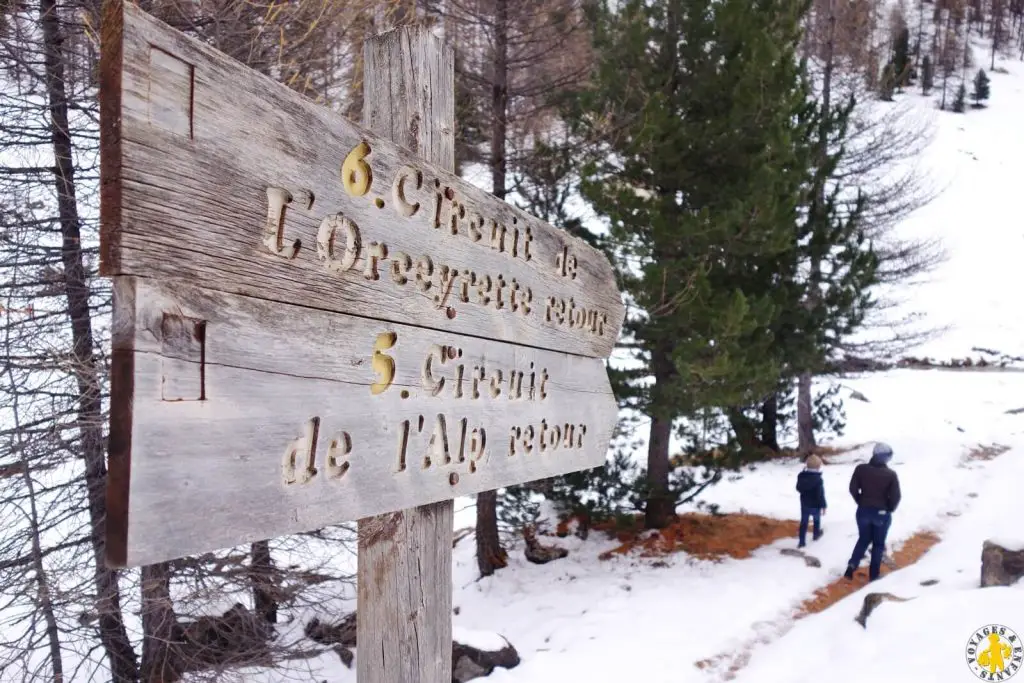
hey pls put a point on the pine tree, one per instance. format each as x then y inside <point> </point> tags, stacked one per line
<point>700,181</point>
<point>960,102</point>
<point>927,75</point>
<point>981,88</point>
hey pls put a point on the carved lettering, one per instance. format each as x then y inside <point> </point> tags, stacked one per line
<point>383,364</point>
<point>478,376</point>
<point>278,199</point>
<point>528,436</point>
<point>483,289</point>
<point>403,445</point>
<point>463,425</point>
<point>424,270</point>
<point>565,312</point>
<point>374,253</point>
<point>477,447</point>
<point>356,174</point>
<point>435,379</point>
<point>401,265</point>
<point>496,384</point>
<point>298,465</point>
<point>499,285</point>
<point>546,438</point>
<point>515,433</point>
<point>468,447</point>
<point>476,224</point>
<point>525,301</point>
<point>459,372</point>
<point>325,241</point>
<point>430,383</point>
<point>468,280</point>
<point>337,450</point>
<point>437,448</point>
<point>448,276</point>
<point>398,191</point>
<point>498,235</point>
<point>566,264</point>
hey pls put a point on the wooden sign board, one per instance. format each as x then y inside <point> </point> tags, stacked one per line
<point>314,325</point>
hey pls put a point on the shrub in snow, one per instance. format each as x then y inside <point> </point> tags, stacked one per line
<point>961,99</point>
<point>981,88</point>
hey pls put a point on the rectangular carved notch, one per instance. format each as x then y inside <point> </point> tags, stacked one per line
<point>183,358</point>
<point>171,92</point>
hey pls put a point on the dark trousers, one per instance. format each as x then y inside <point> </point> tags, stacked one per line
<point>873,527</point>
<point>806,514</point>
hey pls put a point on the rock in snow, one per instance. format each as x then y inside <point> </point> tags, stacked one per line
<point>489,650</point>
<point>810,560</point>
<point>873,600</point>
<point>1001,565</point>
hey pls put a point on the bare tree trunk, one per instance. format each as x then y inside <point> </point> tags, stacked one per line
<point>804,404</point>
<point>44,599</point>
<point>946,66</point>
<point>490,556</point>
<point>160,658</point>
<point>770,422</point>
<point>261,567</point>
<point>804,414</point>
<point>113,635</point>
<point>660,507</point>
<point>920,39</point>
<point>499,101</point>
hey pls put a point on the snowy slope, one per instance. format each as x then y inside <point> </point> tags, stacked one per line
<point>976,161</point>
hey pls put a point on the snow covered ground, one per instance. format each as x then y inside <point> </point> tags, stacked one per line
<point>627,618</point>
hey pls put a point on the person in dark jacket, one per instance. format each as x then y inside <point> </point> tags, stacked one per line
<point>812,498</point>
<point>876,490</point>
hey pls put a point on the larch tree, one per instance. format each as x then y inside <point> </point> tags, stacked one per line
<point>513,55</point>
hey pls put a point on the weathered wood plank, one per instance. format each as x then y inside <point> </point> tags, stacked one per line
<point>404,596</point>
<point>216,174</point>
<point>405,557</point>
<point>220,385</point>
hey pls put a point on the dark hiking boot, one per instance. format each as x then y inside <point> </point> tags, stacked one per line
<point>849,572</point>
<point>817,534</point>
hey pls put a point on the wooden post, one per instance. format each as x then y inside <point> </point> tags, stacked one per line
<point>404,627</point>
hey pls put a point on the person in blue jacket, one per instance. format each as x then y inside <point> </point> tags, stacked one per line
<point>811,486</point>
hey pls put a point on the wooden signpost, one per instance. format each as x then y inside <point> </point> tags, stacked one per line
<point>317,322</point>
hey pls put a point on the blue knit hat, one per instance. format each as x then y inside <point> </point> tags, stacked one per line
<point>882,452</point>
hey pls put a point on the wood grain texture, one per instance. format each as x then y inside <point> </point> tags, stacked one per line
<point>405,558</point>
<point>193,140</point>
<point>404,626</point>
<point>211,473</point>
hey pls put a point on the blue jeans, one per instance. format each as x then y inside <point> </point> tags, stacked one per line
<point>805,514</point>
<point>873,527</point>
